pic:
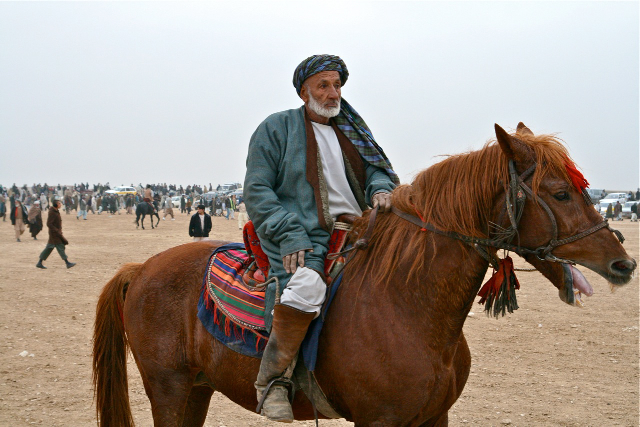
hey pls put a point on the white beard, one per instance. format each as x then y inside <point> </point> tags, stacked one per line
<point>322,111</point>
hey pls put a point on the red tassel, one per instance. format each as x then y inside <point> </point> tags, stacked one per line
<point>577,179</point>
<point>499,293</point>
<point>227,327</point>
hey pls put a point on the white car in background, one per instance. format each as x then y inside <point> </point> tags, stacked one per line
<point>612,198</point>
<point>122,191</point>
<point>175,201</point>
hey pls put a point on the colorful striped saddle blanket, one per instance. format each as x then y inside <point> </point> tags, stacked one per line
<point>232,301</point>
<point>233,290</point>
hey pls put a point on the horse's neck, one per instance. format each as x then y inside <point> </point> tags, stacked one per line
<point>439,303</point>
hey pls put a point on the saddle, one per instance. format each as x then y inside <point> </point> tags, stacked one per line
<point>235,283</point>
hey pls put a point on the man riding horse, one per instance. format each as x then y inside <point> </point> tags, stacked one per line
<point>148,197</point>
<point>305,167</point>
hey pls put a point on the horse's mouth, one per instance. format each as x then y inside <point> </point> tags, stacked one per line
<point>576,285</point>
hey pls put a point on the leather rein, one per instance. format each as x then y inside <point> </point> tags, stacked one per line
<point>514,206</point>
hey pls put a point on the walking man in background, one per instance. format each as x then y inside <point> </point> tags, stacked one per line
<point>90,200</point>
<point>82,211</point>
<point>34,219</point>
<point>44,202</point>
<point>168,208</point>
<point>18,217</point>
<point>128,203</point>
<point>617,211</point>
<point>56,239</point>
<point>200,225</point>
<point>231,207</point>
<point>3,207</point>
<point>243,218</point>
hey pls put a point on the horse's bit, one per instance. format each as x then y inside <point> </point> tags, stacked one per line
<point>514,200</point>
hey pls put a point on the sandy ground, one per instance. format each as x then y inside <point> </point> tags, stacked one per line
<point>547,364</point>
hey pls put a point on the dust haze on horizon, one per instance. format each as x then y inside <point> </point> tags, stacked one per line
<point>147,92</point>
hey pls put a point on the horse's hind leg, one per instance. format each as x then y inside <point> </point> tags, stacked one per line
<point>169,391</point>
<point>197,406</point>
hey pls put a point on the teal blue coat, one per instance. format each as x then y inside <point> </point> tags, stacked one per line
<point>285,192</point>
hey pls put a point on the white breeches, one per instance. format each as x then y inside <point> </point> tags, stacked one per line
<point>305,291</point>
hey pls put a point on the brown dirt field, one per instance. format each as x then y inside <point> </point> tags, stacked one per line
<point>547,364</point>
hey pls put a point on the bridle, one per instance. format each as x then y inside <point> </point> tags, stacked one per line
<point>516,196</point>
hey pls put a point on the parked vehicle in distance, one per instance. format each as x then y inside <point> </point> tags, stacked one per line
<point>612,198</point>
<point>225,189</point>
<point>121,191</point>
<point>596,194</point>
<point>175,201</point>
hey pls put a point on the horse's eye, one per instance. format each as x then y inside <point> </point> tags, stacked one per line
<point>562,195</point>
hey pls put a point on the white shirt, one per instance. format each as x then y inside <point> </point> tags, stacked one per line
<point>202,222</point>
<point>341,198</point>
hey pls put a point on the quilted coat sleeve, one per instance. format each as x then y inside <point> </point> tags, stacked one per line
<point>377,181</point>
<point>271,219</point>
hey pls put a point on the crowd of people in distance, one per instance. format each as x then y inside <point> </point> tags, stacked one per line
<point>82,199</point>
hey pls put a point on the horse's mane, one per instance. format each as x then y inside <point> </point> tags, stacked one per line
<point>456,194</point>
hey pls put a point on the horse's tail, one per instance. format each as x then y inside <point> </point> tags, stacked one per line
<point>110,352</point>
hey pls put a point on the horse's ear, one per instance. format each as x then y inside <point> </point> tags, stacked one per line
<point>523,130</point>
<point>511,147</point>
<point>505,141</point>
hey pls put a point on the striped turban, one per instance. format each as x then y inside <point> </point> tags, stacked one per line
<point>348,121</point>
<point>316,64</point>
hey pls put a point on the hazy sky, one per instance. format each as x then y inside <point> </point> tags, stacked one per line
<point>171,92</point>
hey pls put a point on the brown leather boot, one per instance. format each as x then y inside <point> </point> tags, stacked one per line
<point>287,332</point>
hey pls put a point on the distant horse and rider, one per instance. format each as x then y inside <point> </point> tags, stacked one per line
<point>392,351</point>
<point>143,209</point>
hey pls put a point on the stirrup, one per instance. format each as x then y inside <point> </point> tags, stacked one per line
<point>283,381</point>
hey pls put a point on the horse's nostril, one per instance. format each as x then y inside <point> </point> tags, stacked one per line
<point>624,266</point>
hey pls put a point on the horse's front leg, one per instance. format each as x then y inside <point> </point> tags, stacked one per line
<point>142,221</point>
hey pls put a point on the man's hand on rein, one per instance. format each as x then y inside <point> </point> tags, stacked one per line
<point>383,201</point>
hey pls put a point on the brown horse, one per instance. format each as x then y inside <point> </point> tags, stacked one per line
<point>392,351</point>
